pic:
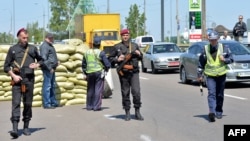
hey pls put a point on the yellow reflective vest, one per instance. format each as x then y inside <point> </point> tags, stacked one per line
<point>215,67</point>
<point>93,61</point>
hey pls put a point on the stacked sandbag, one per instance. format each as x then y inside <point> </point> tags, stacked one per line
<point>5,87</point>
<point>70,87</point>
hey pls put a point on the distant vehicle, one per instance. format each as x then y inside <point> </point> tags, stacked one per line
<point>238,71</point>
<point>133,40</point>
<point>161,56</point>
<point>142,41</point>
<point>105,26</point>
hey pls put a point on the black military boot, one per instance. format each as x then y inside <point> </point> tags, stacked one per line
<point>14,132</point>
<point>26,130</point>
<point>127,116</point>
<point>138,115</point>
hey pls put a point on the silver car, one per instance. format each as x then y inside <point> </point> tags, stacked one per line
<point>161,56</point>
<point>238,71</point>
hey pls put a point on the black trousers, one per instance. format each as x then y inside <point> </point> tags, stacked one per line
<point>27,99</point>
<point>130,83</point>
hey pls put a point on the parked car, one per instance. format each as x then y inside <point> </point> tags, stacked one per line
<point>142,41</point>
<point>238,71</point>
<point>161,56</point>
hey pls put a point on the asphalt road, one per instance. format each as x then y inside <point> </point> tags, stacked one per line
<point>172,112</point>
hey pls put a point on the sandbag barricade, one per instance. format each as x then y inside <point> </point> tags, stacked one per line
<point>71,88</point>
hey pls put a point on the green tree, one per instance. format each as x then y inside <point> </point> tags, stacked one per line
<point>61,11</point>
<point>6,38</point>
<point>135,22</point>
<point>35,33</point>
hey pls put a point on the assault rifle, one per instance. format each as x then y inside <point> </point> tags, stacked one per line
<point>124,64</point>
<point>19,71</point>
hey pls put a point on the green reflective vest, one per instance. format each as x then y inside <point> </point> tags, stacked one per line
<point>93,60</point>
<point>215,67</point>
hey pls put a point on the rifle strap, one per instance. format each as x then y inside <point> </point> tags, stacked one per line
<point>24,58</point>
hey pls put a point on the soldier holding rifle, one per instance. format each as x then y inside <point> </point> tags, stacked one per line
<point>127,56</point>
<point>20,62</point>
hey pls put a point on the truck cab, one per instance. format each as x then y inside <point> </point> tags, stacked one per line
<point>109,38</point>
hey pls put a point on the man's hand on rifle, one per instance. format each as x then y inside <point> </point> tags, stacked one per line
<point>121,58</point>
<point>17,78</point>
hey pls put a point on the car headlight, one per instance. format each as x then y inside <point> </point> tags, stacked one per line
<point>240,65</point>
<point>157,60</point>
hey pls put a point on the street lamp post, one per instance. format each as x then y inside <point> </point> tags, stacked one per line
<point>178,23</point>
<point>162,20</point>
<point>145,17</point>
<point>107,6</point>
<point>10,31</point>
<point>14,25</point>
<point>170,19</point>
<point>48,16</point>
<point>43,21</point>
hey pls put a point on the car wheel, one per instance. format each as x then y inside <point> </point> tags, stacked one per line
<point>154,71</point>
<point>184,79</point>
<point>143,69</point>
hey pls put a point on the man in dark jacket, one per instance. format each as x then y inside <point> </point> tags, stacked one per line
<point>48,53</point>
<point>239,29</point>
<point>94,66</point>
<point>128,71</point>
<point>20,63</point>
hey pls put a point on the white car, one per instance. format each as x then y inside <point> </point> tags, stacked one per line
<point>161,56</point>
<point>142,41</point>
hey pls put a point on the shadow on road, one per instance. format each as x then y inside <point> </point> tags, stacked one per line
<point>204,117</point>
<point>229,85</point>
<point>32,130</point>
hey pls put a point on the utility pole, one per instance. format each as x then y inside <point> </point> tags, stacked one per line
<point>162,20</point>
<point>14,22</point>
<point>178,23</point>
<point>170,19</point>
<point>203,24</point>
<point>48,23</point>
<point>107,6</point>
<point>43,19</point>
<point>43,23</point>
<point>145,17</point>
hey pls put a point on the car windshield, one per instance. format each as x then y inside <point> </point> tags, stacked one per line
<point>165,48</point>
<point>237,49</point>
<point>147,39</point>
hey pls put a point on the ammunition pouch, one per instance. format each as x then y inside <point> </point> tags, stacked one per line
<point>23,88</point>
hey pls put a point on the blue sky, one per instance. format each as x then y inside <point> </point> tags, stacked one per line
<point>222,12</point>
